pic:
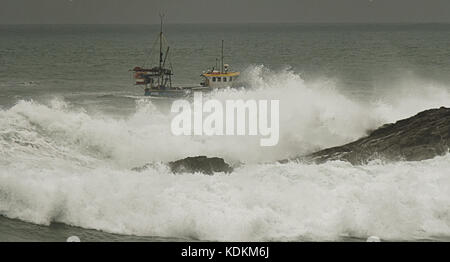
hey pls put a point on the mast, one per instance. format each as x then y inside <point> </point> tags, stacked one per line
<point>160,41</point>
<point>164,81</point>
<point>221,66</point>
<point>161,72</point>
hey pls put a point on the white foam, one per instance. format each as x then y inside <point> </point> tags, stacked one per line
<point>73,239</point>
<point>59,163</point>
<point>373,239</point>
<point>262,202</point>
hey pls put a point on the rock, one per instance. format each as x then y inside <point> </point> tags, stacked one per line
<point>420,137</point>
<point>201,164</point>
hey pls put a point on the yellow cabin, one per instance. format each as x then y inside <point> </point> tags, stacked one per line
<point>222,78</point>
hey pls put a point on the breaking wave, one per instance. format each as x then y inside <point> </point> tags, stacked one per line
<point>59,163</point>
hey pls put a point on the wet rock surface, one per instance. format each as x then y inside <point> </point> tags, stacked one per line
<point>200,164</point>
<point>423,136</point>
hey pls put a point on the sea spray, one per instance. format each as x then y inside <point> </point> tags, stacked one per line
<point>59,163</point>
<point>313,115</point>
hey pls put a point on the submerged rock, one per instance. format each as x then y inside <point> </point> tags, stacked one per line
<point>420,137</point>
<point>201,164</point>
<point>153,165</point>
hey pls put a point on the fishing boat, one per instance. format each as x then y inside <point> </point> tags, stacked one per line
<point>221,77</point>
<point>156,80</point>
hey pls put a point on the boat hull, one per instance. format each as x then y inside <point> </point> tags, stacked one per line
<point>175,93</point>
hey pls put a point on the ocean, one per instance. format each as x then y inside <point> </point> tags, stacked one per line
<point>73,126</point>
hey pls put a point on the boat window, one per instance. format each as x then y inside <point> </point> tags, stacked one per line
<point>224,79</point>
<point>214,79</point>
<point>219,79</point>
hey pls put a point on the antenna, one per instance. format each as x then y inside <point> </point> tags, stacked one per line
<point>161,16</point>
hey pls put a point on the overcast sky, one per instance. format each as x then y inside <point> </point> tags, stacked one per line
<point>224,11</point>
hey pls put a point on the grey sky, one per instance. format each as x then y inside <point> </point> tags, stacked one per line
<point>223,11</point>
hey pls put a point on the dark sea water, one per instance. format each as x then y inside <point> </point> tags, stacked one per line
<point>72,126</point>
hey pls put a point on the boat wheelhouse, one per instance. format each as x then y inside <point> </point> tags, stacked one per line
<point>220,78</point>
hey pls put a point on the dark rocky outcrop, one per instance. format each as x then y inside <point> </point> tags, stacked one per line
<point>201,164</point>
<point>420,137</point>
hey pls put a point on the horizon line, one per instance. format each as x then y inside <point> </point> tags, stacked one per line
<point>240,23</point>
